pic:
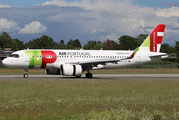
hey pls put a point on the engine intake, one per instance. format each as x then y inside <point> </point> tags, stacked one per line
<point>71,70</point>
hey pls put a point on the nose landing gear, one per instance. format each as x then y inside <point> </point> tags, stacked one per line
<point>26,73</point>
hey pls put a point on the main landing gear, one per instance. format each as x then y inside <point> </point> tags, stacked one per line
<point>89,75</point>
<point>26,73</point>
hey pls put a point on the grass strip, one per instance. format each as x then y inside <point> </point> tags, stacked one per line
<point>89,99</point>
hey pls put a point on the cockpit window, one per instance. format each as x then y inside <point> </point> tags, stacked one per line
<point>14,55</point>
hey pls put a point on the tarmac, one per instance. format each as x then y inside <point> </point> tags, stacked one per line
<point>95,77</point>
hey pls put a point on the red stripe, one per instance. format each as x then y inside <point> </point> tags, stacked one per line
<point>48,57</point>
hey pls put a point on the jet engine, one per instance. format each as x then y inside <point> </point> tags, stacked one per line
<point>53,71</point>
<point>71,70</point>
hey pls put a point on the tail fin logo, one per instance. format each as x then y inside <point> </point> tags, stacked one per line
<point>154,40</point>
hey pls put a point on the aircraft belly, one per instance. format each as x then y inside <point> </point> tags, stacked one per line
<point>17,64</point>
<point>119,65</point>
<point>37,67</point>
<point>50,66</point>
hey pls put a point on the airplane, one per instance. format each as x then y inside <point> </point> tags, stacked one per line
<point>74,62</point>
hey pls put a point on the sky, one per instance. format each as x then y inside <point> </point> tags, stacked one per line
<point>88,19</point>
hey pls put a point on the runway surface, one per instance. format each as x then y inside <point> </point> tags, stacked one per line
<point>95,76</point>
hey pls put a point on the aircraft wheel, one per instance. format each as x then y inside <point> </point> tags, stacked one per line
<point>89,75</point>
<point>25,75</point>
<point>78,76</point>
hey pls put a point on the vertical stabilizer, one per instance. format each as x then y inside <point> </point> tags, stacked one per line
<point>154,40</point>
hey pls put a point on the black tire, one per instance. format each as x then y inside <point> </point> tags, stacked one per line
<point>78,76</point>
<point>89,75</point>
<point>25,75</point>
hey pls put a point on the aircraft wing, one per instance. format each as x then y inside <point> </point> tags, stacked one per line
<point>100,61</point>
<point>97,61</point>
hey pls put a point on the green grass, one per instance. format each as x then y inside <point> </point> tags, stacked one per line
<point>89,99</point>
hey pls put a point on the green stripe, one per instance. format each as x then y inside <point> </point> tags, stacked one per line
<point>137,49</point>
<point>36,60</point>
<point>146,43</point>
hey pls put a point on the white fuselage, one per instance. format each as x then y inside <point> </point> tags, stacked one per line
<point>25,61</point>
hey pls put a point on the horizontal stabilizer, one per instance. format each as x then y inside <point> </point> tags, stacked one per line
<point>158,54</point>
<point>164,57</point>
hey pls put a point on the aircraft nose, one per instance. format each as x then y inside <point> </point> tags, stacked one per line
<point>6,62</point>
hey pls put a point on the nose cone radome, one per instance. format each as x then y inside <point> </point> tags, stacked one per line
<point>6,62</point>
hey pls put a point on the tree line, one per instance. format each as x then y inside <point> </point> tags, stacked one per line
<point>125,42</point>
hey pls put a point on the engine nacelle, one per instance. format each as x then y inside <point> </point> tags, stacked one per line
<point>53,71</point>
<point>71,70</point>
